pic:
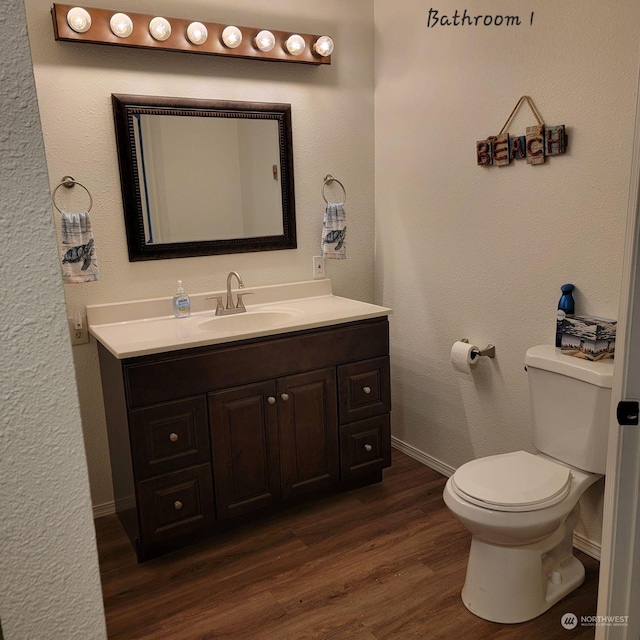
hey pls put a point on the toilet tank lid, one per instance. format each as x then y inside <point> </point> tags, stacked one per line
<point>549,358</point>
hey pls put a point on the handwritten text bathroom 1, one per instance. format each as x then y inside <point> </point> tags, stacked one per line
<point>465,19</point>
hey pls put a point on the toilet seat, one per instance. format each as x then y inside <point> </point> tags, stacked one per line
<point>517,481</point>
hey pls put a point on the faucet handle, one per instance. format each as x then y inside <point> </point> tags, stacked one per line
<point>240,304</point>
<point>219,304</point>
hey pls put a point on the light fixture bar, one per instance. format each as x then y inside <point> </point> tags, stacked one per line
<point>100,32</point>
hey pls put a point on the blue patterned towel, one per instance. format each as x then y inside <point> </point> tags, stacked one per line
<point>77,249</point>
<point>334,231</point>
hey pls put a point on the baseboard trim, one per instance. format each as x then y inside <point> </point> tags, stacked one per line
<point>579,542</point>
<point>421,456</point>
<point>587,546</point>
<point>104,509</point>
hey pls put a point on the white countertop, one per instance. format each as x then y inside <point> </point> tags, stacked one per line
<point>146,327</point>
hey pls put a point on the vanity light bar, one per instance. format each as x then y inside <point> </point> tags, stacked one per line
<point>101,26</point>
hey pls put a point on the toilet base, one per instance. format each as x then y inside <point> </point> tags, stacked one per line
<point>514,584</point>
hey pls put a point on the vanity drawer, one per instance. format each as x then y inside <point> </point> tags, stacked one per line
<point>175,505</point>
<point>365,447</point>
<point>169,436</point>
<point>364,389</point>
<point>157,378</point>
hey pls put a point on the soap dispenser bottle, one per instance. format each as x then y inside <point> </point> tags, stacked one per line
<point>181,303</point>
<point>566,307</point>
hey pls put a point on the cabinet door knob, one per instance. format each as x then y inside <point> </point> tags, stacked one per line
<point>284,396</point>
<point>271,400</point>
<point>366,389</point>
<point>173,437</point>
<point>178,505</point>
<point>368,447</point>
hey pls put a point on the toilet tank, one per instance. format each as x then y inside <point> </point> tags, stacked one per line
<point>570,405</point>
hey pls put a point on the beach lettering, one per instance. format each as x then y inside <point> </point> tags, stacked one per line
<point>539,142</point>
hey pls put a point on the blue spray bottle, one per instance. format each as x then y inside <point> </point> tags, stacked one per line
<point>566,307</point>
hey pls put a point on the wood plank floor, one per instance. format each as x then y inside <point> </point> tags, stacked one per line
<point>385,562</point>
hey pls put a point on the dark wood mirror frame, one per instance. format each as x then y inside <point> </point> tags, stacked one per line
<point>124,109</point>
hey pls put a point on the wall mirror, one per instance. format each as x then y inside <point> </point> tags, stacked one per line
<point>203,177</point>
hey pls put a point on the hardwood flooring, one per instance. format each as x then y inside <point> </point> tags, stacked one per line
<point>385,562</point>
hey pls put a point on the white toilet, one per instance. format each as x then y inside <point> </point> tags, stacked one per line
<point>522,508</point>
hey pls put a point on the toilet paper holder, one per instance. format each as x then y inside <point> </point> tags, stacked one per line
<point>489,350</point>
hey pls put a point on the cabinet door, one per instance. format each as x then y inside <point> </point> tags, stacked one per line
<point>307,415</point>
<point>244,438</point>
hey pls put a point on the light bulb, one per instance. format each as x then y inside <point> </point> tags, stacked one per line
<point>160,29</point>
<point>79,19</point>
<point>197,33</point>
<point>295,45</point>
<point>323,46</point>
<point>265,41</point>
<point>121,25</point>
<point>232,37</point>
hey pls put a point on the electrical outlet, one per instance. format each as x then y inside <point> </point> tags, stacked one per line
<point>318,267</point>
<point>79,336</point>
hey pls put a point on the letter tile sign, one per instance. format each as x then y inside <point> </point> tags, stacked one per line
<point>539,142</point>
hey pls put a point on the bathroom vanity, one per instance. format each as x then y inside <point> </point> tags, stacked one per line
<point>206,431</point>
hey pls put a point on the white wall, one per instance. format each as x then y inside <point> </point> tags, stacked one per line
<point>481,253</point>
<point>332,114</point>
<point>50,586</point>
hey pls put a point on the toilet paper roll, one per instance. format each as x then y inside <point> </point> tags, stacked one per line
<point>464,357</point>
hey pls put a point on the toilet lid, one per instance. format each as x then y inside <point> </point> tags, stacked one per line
<point>516,481</point>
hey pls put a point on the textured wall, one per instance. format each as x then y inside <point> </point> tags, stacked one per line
<point>332,113</point>
<point>50,587</point>
<point>480,253</point>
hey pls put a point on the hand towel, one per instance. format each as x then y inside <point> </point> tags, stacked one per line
<point>77,249</point>
<point>334,231</point>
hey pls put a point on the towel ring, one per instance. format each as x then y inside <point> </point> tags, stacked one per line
<point>68,182</point>
<point>329,179</point>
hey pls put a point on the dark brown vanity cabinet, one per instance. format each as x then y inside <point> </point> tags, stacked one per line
<point>203,436</point>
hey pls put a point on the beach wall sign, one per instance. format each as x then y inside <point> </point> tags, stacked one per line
<point>539,142</point>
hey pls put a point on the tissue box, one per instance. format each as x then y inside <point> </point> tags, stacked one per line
<point>588,337</point>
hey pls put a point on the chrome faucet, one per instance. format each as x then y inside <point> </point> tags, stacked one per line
<point>239,307</point>
<point>230,304</point>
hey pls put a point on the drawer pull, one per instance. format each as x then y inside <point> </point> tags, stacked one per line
<point>178,505</point>
<point>173,437</point>
<point>271,400</point>
<point>368,448</point>
<point>366,389</point>
<point>284,396</point>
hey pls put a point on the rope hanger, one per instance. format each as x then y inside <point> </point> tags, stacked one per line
<point>515,109</point>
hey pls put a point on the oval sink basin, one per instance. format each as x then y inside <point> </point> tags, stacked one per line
<point>246,322</point>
